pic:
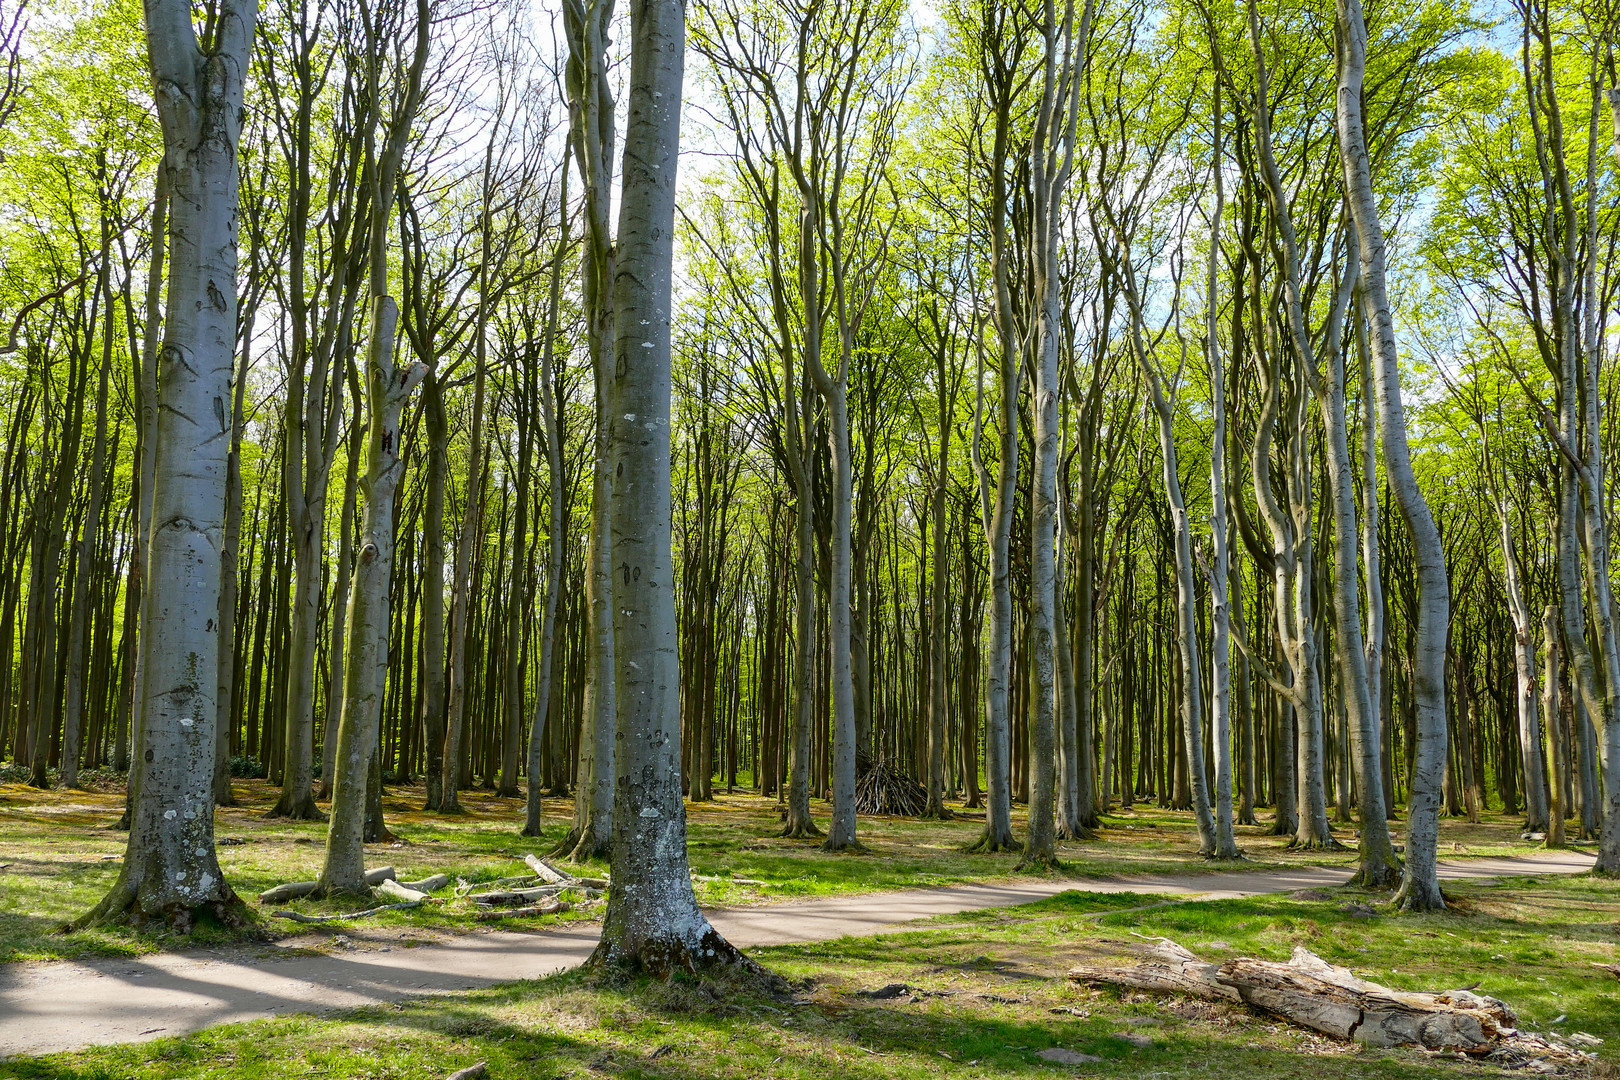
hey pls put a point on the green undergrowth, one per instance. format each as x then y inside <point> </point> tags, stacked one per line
<point>984,994</point>
<point>63,856</point>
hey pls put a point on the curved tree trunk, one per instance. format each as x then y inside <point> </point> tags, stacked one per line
<point>1420,886</point>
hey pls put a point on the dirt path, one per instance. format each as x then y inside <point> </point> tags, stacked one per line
<point>47,1008</point>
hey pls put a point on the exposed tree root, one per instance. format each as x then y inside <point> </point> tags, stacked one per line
<point>803,830</point>
<point>302,810</point>
<point>988,843</point>
<point>123,907</point>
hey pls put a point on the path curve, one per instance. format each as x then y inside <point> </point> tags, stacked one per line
<point>54,1007</point>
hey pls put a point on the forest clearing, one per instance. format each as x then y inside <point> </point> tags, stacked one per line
<point>809,538</point>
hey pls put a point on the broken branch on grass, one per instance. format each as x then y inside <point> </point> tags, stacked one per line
<point>298,916</point>
<point>549,908</point>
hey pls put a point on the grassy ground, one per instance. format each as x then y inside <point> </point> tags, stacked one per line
<point>60,855</point>
<point>987,994</point>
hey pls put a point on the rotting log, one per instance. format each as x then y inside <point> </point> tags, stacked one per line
<point>1309,991</point>
<point>1167,968</point>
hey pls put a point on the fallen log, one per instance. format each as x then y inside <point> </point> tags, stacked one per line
<point>1168,969</point>
<point>428,884</point>
<point>400,892</point>
<point>298,916</point>
<point>551,907</point>
<point>294,889</point>
<point>1335,1001</point>
<point>548,872</point>
<point>471,1072</point>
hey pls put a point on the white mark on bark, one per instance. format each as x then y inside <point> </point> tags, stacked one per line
<point>649,811</point>
<point>168,815</point>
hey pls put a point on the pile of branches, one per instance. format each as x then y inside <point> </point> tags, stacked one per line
<point>538,893</point>
<point>887,790</point>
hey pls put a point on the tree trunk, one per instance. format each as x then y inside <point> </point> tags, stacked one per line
<point>170,873</point>
<point>1420,886</point>
<point>652,921</point>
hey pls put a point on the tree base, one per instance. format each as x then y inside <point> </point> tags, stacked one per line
<point>1224,854</point>
<point>800,830</point>
<point>122,907</point>
<point>585,848</point>
<point>1077,832</point>
<point>1327,843</point>
<point>1415,896</point>
<point>295,809</point>
<point>664,958</point>
<point>1380,876</point>
<point>989,842</point>
<point>1044,863</point>
<point>848,847</point>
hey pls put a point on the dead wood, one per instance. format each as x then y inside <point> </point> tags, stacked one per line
<point>294,889</point>
<point>400,892</point>
<point>471,1072</point>
<point>548,872</point>
<point>1309,991</point>
<point>514,897</point>
<point>550,907</point>
<point>428,884</point>
<point>298,916</point>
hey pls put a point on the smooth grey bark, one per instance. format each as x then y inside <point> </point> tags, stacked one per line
<point>170,874</point>
<point>387,388</point>
<point>438,467</point>
<point>997,519</point>
<point>1371,556</point>
<point>652,922</point>
<point>340,601</point>
<point>591,117</point>
<point>556,540</point>
<point>1420,885</point>
<point>1379,868</point>
<point>1225,840</point>
<point>228,569</point>
<point>1052,161</point>
<point>1552,676</point>
<point>1294,552</point>
<point>1191,703</point>
<point>78,624</point>
<point>1524,672</point>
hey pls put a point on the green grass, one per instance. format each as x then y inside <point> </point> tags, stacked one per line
<point>993,981</point>
<point>63,855</point>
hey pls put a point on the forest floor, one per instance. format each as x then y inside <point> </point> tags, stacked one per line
<point>984,994</point>
<point>59,854</point>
